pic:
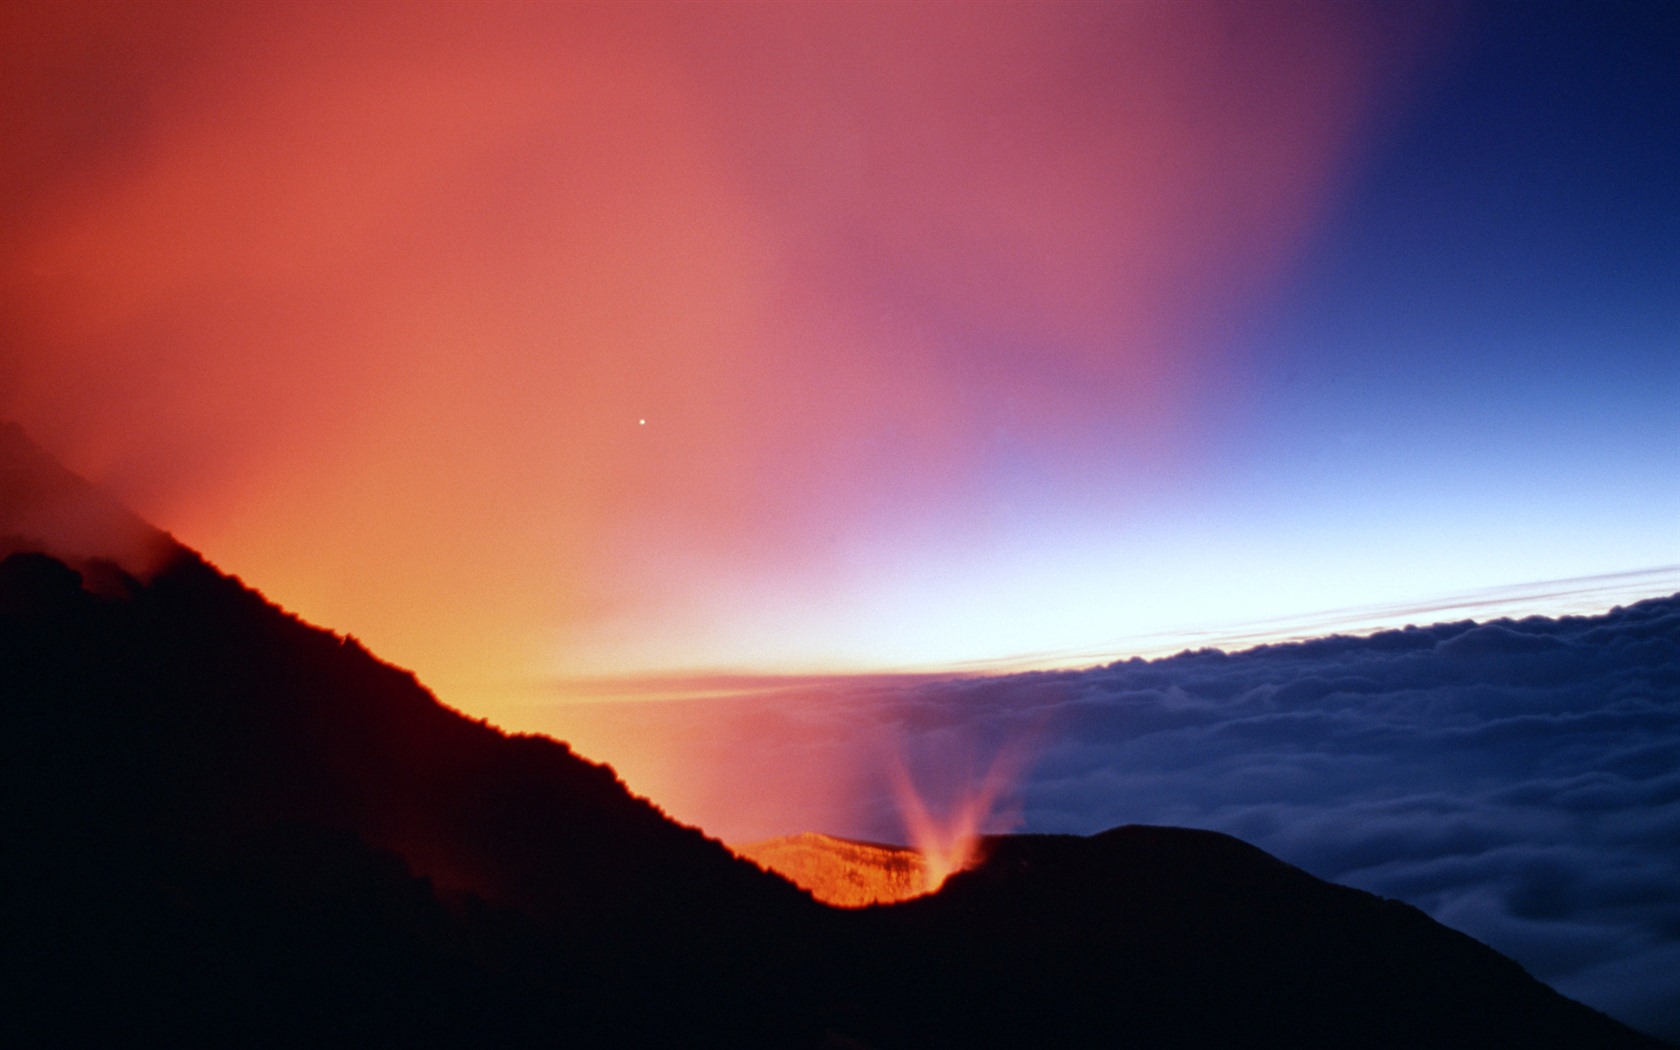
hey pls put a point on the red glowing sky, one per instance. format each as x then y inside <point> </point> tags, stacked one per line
<point>370,303</point>
<point>533,340</point>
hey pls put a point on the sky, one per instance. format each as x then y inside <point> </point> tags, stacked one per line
<point>581,357</point>
<point>528,341</point>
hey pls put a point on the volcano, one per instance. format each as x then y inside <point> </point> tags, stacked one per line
<point>230,827</point>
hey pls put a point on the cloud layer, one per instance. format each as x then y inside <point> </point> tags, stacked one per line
<point>1519,780</point>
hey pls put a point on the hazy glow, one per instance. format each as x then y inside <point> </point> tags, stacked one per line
<point>948,841</point>
<point>530,342</point>
<point>561,339</point>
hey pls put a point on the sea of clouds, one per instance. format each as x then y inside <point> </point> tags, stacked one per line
<point>1519,780</point>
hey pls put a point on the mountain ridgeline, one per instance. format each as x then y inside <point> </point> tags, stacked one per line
<point>229,827</point>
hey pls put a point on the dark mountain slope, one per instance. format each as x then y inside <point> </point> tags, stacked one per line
<point>1169,937</point>
<point>161,741</point>
<point>220,814</point>
<point>226,827</point>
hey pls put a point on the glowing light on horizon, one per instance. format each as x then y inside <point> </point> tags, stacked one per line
<point>839,254</point>
<point>949,841</point>
<point>850,874</point>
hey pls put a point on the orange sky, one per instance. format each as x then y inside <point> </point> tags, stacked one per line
<point>526,340</point>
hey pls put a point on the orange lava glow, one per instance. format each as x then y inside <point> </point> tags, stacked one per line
<point>849,874</point>
<point>840,872</point>
<point>948,842</point>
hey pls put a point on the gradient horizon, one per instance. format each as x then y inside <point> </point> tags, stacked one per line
<point>533,342</point>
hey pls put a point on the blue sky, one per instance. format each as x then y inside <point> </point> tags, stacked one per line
<point>1485,344</point>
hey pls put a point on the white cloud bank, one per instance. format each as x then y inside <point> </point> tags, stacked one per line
<point>1517,779</point>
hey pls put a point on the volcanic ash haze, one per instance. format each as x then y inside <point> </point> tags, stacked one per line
<point>652,335</point>
<point>47,508</point>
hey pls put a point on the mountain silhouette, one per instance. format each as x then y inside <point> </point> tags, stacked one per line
<point>229,827</point>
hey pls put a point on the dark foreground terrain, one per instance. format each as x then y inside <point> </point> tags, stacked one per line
<point>228,827</point>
